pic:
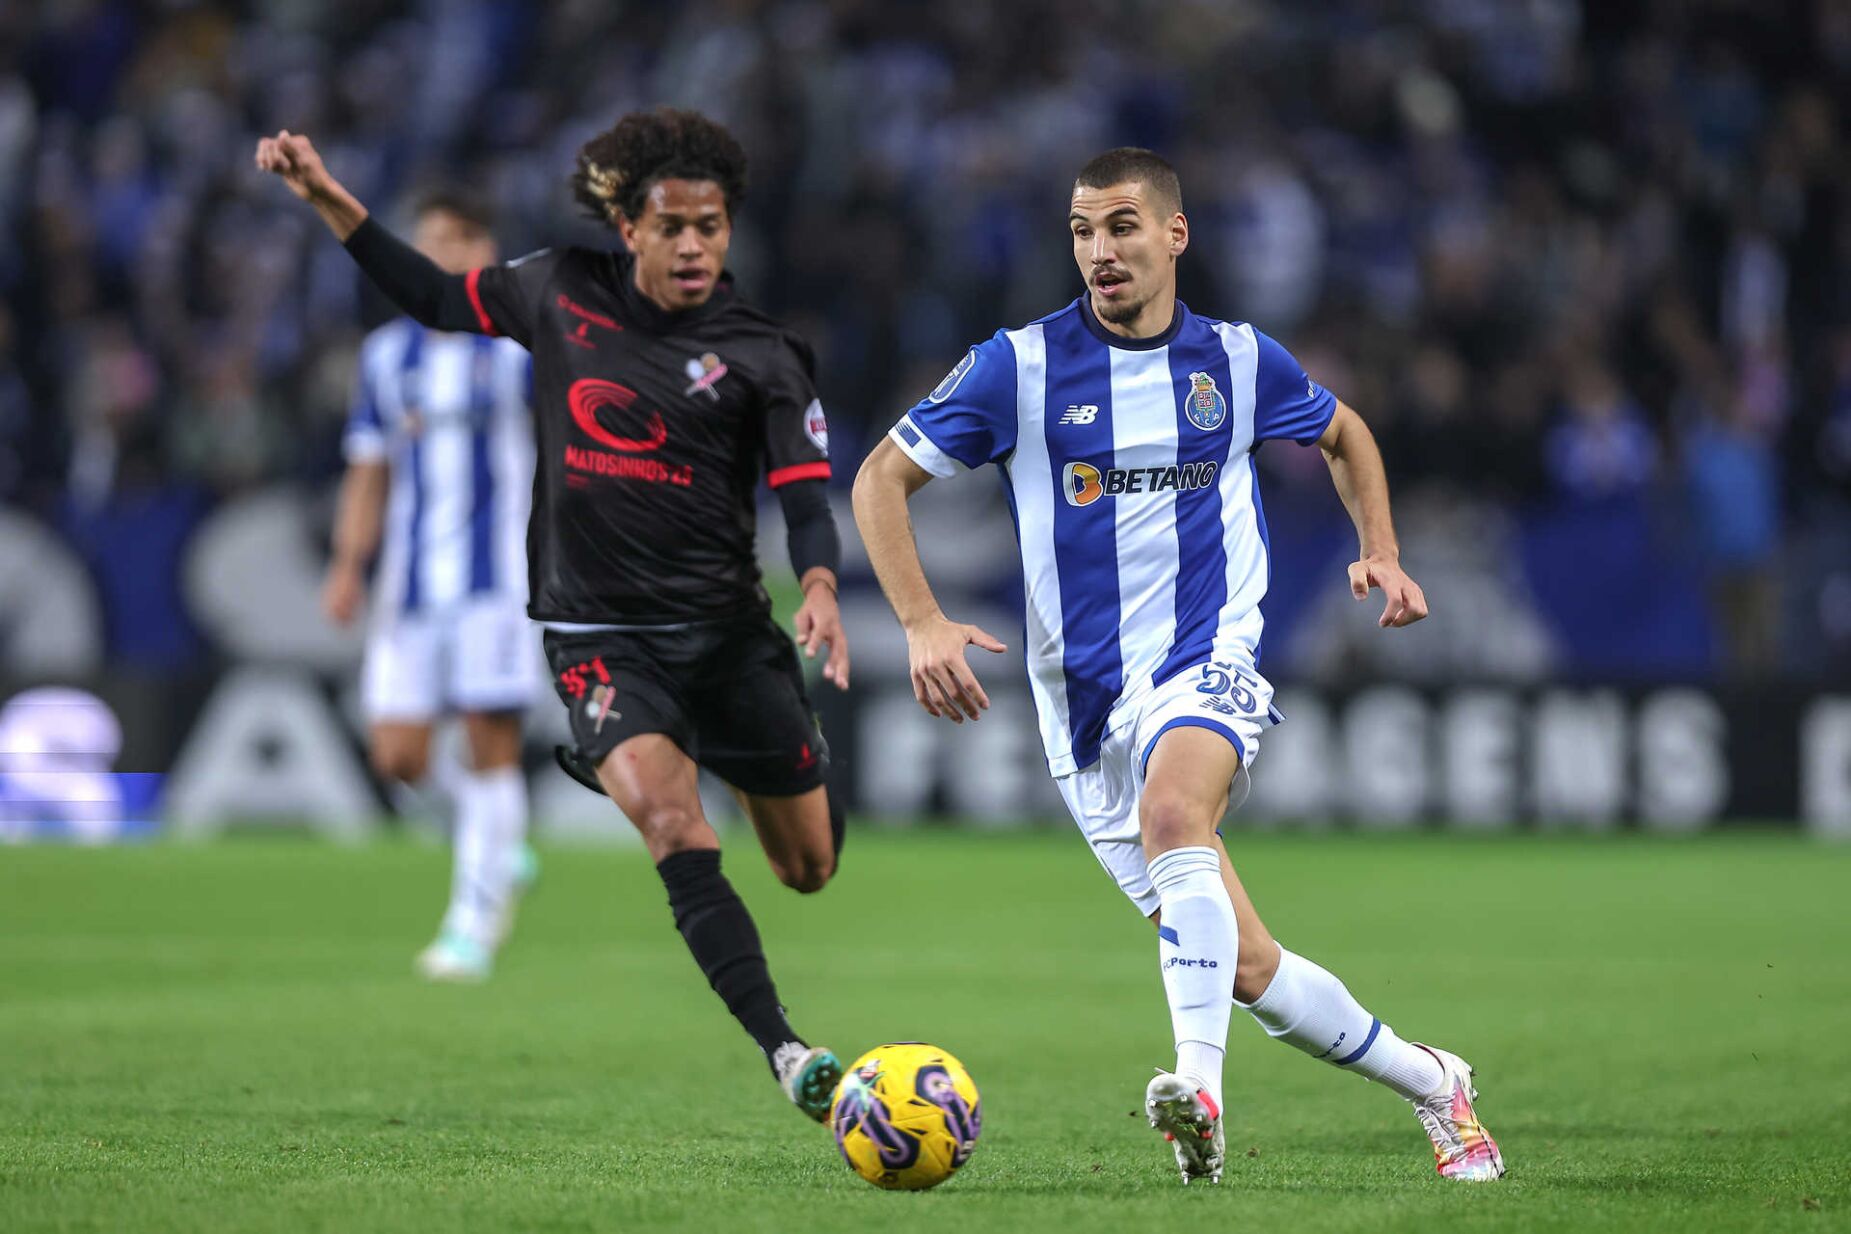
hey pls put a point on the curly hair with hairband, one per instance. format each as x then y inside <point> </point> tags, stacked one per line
<point>618,167</point>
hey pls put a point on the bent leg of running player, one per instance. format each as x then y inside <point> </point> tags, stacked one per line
<point>1299,1002</point>
<point>656,785</point>
<point>758,732</point>
<point>799,835</point>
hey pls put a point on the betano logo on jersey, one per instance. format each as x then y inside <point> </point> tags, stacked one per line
<point>1084,483</point>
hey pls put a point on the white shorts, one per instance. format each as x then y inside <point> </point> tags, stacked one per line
<point>480,655</point>
<point>1227,698</point>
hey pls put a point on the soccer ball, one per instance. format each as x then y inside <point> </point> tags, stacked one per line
<point>906,1116</point>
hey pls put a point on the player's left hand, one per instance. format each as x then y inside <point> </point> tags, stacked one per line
<point>1406,605</point>
<point>819,624</point>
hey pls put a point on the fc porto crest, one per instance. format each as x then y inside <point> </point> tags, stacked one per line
<point>1203,404</point>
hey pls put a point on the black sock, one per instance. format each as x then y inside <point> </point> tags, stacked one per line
<point>719,931</point>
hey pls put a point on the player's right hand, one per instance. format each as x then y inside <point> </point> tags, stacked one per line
<point>293,157</point>
<point>942,681</point>
<point>342,593</point>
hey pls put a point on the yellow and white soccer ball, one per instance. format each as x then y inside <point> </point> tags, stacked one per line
<point>906,1116</point>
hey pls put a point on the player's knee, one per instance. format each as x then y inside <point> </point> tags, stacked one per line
<point>1172,820</point>
<point>406,764</point>
<point>806,873</point>
<point>1253,971</point>
<point>670,826</point>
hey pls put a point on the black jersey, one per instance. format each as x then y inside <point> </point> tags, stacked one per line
<point>652,430</point>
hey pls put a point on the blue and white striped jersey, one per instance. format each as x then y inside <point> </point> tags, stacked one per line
<point>1128,466</point>
<point>450,414</point>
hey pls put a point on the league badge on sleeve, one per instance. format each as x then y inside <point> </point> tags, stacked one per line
<point>815,426</point>
<point>1203,404</point>
<point>944,389</point>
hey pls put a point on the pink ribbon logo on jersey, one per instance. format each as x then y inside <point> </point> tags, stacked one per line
<point>705,372</point>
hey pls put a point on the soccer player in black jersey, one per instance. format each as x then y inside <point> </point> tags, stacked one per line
<point>659,399</point>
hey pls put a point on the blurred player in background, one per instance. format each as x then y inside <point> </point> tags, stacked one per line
<point>1124,427</point>
<point>660,399</point>
<point>439,451</point>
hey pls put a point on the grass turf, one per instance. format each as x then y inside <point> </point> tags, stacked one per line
<point>228,1038</point>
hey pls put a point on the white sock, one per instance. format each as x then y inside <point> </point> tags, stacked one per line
<point>1307,1007</point>
<point>1199,942</point>
<point>491,825</point>
<point>427,804</point>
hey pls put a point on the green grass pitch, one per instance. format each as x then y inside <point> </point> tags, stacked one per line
<point>229,1037</point>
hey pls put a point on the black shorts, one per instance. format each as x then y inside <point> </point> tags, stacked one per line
<point>730,694</point>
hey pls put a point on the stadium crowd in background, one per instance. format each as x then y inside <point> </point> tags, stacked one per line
<point>1587,259</point>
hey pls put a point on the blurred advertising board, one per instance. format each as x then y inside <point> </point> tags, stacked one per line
<point>114,758</point>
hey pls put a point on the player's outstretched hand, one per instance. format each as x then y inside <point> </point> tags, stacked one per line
<point>1406,605</point>
<point>942,681</point>
<point>293,157</point>
<point>819,624</point>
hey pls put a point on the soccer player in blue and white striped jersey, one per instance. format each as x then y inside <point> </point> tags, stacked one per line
<point>1124,427</point>
<point>440,462</point>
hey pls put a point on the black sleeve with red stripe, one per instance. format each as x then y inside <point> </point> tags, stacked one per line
<point>796,434</point>
<point>505,299</point>
<point>411,280</point>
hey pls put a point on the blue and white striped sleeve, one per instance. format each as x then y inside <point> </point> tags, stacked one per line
<point>969,418</point>
<point>1286,403</point>
<point>365,438</point>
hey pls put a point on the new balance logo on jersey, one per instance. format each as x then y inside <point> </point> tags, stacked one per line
<point>1084,483</point>
<point>1080,413</point>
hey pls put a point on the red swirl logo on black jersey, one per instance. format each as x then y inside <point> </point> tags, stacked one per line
<point>589,395</point>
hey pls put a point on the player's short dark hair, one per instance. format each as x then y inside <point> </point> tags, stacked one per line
<point>457,201</point>
<point>618,167</point>
<point>1128,163</point>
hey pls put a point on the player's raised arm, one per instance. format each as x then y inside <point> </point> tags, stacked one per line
<point>1362,482</point>
<point>411,280</point>
<point>294,158</point>
<point>942,680</point>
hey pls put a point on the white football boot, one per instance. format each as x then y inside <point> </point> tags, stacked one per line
<point>808,1075</point>
<point>455,958</point>
<point>1191,1122</point>
<point>1462,1148</point>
